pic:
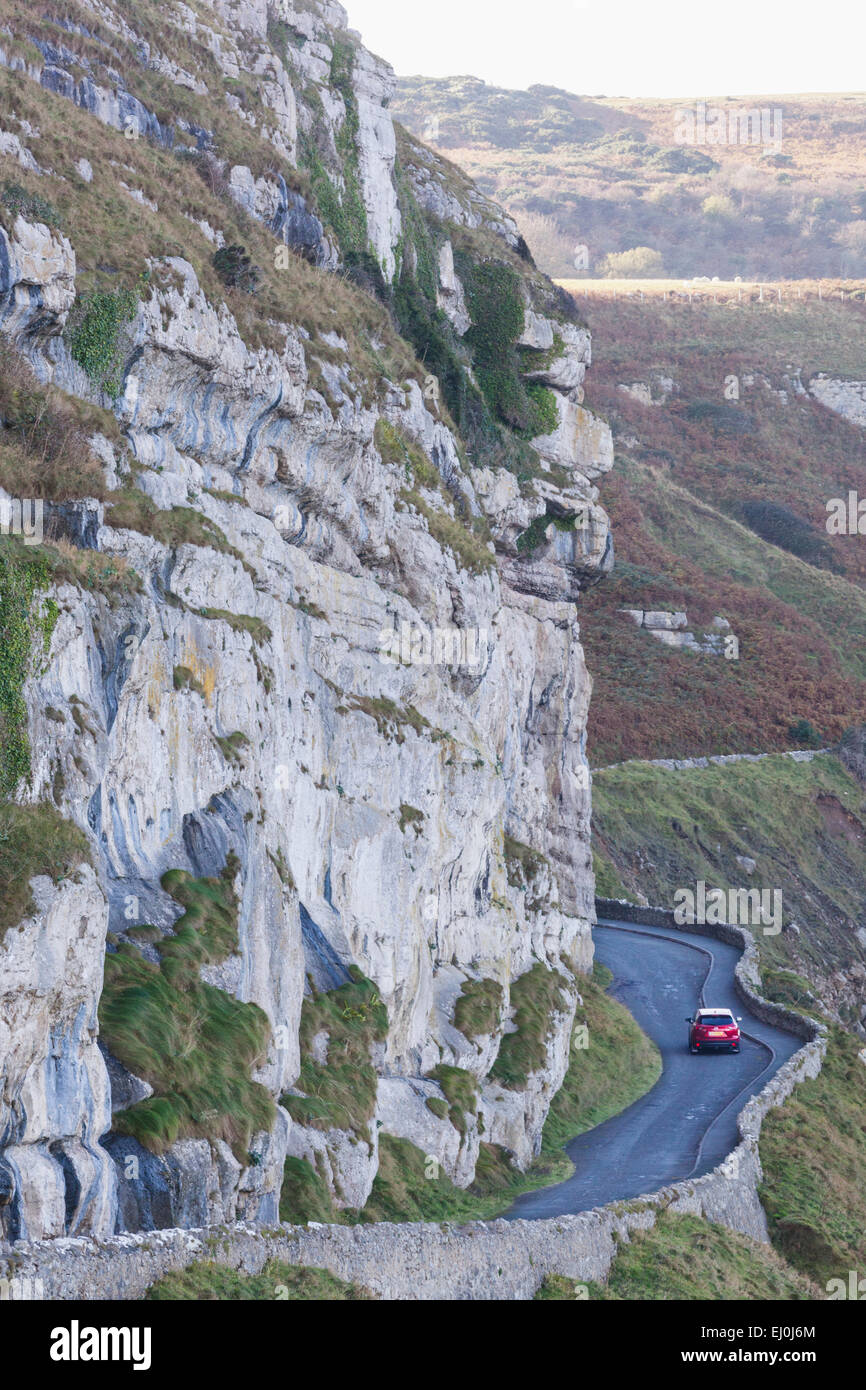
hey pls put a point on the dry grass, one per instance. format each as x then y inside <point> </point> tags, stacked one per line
<point>44,446</point>
<point>34,840</point>
<point>114,236</point>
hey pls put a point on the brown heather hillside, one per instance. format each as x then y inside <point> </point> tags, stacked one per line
<point>719,508</point>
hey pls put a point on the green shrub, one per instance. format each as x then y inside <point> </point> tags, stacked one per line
<point>31,206</point>
<point>804,731</point>
<point>235,268</point>
<point>94,329</point>
<point>543,414</point>
<point>638,263</point>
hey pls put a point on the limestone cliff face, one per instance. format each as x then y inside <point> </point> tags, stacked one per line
<point>419,819</point>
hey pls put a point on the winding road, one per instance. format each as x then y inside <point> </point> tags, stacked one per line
<point>686,1124</point>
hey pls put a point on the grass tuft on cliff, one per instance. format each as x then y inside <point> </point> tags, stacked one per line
<point>535,998</point>
<point>34,840</point>
<point>479,1008</point>
<point>341,1092</point>
<point>24,616</point>
<point>460,1090</point>
<point>194,1043</point>
<point>44,446</point>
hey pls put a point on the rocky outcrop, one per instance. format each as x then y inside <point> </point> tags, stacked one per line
<point>671,629</point>
<point>54,1092</point>
<point>282,514</point>
<point>37,279</point>
<point>846,398</point>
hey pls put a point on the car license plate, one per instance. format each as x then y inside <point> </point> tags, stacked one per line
<point>716,1033</point>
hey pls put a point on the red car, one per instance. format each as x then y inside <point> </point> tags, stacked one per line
<point>711,1028</point>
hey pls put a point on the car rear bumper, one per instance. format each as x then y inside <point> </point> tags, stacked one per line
<point>716,1044</point>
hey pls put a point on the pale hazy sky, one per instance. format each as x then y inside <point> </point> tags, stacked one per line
<point>626,47</point>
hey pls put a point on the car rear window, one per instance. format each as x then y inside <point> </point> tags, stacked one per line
<point>715,1019</point>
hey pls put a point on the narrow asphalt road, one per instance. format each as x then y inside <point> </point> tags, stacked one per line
<point>686,1124</point>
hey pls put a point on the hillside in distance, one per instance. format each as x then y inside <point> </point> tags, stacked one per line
<point>720,510</point>
<point>610,174</point>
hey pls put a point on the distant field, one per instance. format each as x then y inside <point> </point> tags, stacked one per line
<point>708,291</point>
<point>785,198</point>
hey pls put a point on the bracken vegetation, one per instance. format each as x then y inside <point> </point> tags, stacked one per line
<point>730,522</point>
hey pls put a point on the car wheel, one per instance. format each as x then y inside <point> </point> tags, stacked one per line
<point>735,1047</point>
<point>693,1050</point>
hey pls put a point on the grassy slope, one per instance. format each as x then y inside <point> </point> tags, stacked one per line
<point>683,1257</point>
<point>803,824</point>
<point>113,235</point>
<point>816,1208</point>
